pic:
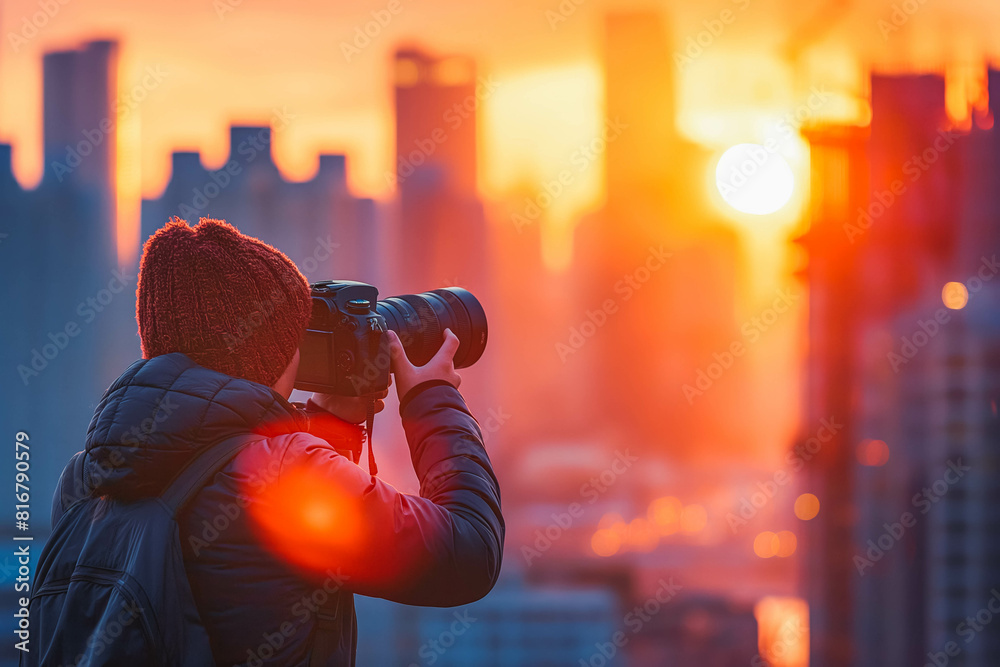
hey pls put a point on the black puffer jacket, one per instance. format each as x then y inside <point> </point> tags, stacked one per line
<point>291,529</point>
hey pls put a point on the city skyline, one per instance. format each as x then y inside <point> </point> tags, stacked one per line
<point>558,59</point>
<point>749,405</point>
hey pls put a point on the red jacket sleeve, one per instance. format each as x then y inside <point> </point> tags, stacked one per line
<point>441,548</point>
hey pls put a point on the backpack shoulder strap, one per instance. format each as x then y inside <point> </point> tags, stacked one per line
<point>201,469</point>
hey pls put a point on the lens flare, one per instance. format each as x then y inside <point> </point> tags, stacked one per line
<point>306,520</point>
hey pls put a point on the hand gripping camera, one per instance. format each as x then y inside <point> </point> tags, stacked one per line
<point>345,351</point>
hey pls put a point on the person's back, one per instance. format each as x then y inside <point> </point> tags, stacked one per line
<point>279,541</point>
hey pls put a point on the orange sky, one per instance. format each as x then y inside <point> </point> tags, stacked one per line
<point>238,59</point>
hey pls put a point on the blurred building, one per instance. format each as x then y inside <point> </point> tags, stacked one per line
<point>441,230</point>
<point>656,269</point>
<point>328,232</point>
<point>71,299</point>
<point>903,552</point>
<point>839,174</point>
<point>439,237</point>
<point>513,625</point>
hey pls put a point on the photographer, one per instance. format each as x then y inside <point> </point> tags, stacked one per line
<point>278,541</point>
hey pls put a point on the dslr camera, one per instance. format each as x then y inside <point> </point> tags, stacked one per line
<point>345,350</point>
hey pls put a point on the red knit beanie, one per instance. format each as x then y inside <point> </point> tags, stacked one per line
<point>228,301</point>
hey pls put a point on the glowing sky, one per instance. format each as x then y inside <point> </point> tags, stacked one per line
<point>231,60</point>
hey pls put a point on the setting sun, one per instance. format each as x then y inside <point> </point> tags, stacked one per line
<point>753,179</point>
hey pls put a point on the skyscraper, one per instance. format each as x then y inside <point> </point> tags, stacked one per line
<point>74,333</point>
<point>656,268</point>
<point>902,553</point>
<point>839,173</point>
<point>441,226</point>
<point>80,143</point>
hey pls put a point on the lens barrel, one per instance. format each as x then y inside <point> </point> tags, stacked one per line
<point>420,319</point>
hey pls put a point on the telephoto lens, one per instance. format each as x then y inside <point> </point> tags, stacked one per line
<point>420,319</point>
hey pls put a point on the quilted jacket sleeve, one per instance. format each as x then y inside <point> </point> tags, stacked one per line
<point>441,548</point>
<point>69,489</point>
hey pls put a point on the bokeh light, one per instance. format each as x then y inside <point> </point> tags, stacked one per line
<point>605,542</point>
<point>955,295</point>
<point>610,519</point>
<point>806,506</point>
<point>786,545</point>
<point>665,514</point>
<point>872,453</point>
<point>693,518</point>
<point>782,642</point>
<point>765,544</point>
<point>753,179</point>
<point>642,535</point>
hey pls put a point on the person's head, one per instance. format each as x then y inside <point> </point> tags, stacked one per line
<point>228,301</point>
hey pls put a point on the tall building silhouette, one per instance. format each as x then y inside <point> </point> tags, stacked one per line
<point>327,231</point>
<point>639,92</point>
<point>439,233</point>
<point>441,230</point>
<point>903,370</point>
<point>74,332</point>
<point>80,144</point>
<point>660,253</point>
<point>839,173</point>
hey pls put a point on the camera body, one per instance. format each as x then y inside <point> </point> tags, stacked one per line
<point>344,350</point>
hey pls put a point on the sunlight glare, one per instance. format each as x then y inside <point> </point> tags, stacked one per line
<point>753,179</point>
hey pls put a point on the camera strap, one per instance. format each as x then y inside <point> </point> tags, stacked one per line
<point>369,424</point>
